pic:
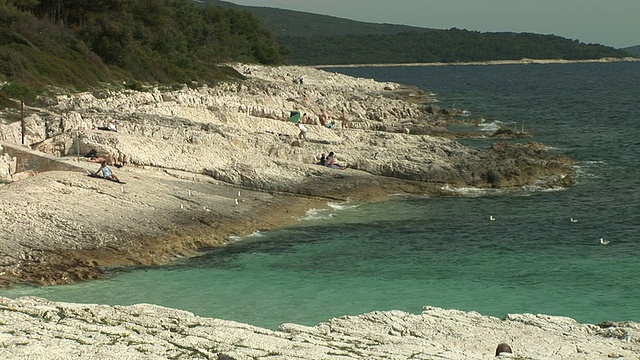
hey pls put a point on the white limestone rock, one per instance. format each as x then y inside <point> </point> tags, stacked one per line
<point>39,329</point>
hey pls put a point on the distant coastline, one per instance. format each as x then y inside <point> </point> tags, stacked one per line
<point>492,62</point>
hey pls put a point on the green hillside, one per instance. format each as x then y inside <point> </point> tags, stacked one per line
<point>111,42</point>
<point>633,50</point>
<point>285,23</point>
<point>319,39</point>
<point>54,45</point>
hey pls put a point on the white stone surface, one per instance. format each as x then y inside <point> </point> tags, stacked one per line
<point>33,328</point>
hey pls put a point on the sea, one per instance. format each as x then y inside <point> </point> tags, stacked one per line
<point>415,251</point>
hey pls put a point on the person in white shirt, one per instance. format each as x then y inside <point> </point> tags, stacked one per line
<point>303,131</point>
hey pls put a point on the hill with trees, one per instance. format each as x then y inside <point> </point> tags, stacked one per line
<point>633,50</point>
<point>325,40</point>
<point>82,44</point>
<point>77,45</point>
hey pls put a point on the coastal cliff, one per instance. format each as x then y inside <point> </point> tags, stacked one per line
<point>202,164</point>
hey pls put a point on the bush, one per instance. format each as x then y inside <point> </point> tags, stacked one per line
<point>19,92</point>
<point>135,85</point>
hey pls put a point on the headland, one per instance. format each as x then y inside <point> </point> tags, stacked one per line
<point>202,164</point>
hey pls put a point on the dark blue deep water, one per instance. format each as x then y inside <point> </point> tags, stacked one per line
<point>410,252</point>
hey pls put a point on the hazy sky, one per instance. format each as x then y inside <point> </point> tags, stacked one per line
<point>609,22</point>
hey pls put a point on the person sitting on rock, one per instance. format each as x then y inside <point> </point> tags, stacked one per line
<point>105,169</point>
<point>306,119</point>
<point>325,119</point>
<point>322,159</point>
<point>331,162</point>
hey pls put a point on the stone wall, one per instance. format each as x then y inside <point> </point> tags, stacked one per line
<point>19,162</point>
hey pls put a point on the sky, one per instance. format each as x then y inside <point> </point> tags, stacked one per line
<point>613,23</point>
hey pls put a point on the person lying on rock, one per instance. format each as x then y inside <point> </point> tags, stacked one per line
<point>110,127</point>
<point>110,159</point>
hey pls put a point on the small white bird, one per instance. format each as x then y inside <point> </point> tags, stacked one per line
<point>238,193</point>
<point>492,218</point>
<point>604,241</point>
<point>206,209</point>
<point>574,220</point>
<point>181,206</point>
<point>189,193</point>
<point>236,201</point>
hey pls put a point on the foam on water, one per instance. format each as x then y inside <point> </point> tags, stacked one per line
<point>255,234</point>
<point>342,206</point>
<point>318,214</point>
<point>489,126</point>
<point>325,214</point>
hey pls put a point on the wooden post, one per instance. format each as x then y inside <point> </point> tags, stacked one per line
<point>23,126</point>
<point>77,147</point>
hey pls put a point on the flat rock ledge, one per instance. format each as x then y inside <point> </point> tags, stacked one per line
<point>34,328</point>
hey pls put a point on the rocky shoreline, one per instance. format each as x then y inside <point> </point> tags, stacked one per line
<point>188,151</point>
<point>202,164</point>
<point>32,328</point>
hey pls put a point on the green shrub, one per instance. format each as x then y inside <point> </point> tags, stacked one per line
<point>135,85</point>
<point>18,91</point>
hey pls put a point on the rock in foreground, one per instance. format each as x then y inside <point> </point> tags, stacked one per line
<point>33,328</point>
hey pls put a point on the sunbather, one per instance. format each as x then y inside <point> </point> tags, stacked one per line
<point>330,161</point>
<point>105,169</point>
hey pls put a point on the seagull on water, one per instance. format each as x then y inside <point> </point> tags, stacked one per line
<point>604,241</point>
<point>574,220</point>
<point>492,218</point>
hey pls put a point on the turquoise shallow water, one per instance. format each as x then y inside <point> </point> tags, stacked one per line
<point>415,251</point>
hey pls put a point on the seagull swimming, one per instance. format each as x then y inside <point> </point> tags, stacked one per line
<point>491,218</point>
<point>604,241</point>
<point>574,220</point>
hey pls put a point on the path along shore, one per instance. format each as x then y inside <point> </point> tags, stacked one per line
<point>202,164</point>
